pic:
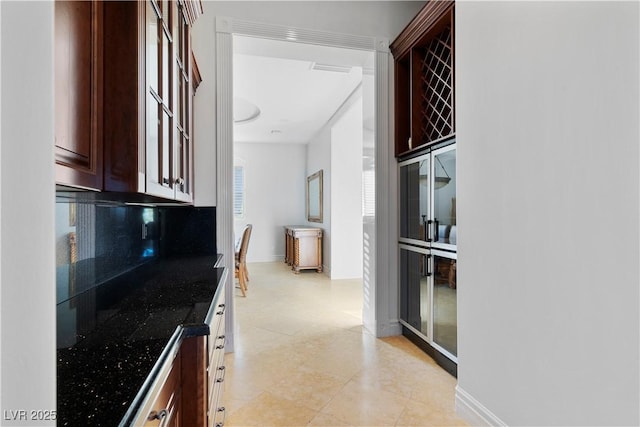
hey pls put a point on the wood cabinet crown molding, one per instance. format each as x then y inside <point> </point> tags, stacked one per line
<point>429,15</point>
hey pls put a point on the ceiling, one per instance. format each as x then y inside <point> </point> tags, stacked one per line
<point>296,88</point>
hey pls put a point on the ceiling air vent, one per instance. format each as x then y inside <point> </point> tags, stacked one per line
<point>330,67</point>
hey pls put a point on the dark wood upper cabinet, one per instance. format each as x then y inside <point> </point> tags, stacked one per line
<point>144,102</point>
<point>148,99</point>
<point>424,76</point>
<point>78,93</point>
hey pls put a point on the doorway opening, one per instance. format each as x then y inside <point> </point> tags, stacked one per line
<point>380,294</point>
<point>300,109</point>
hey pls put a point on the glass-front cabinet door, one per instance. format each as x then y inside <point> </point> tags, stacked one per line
<point>445,231</point>
<point>428,296</point>
<point>414,200</point>
<point>415,293</point>
<point>427,248</point>
<point>445,311</point>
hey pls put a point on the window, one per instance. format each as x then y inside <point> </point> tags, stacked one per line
<point>238,191</point>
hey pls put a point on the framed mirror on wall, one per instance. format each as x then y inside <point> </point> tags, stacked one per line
<point>314,197</point>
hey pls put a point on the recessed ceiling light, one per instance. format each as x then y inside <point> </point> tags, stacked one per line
<point>244,111</point>
<point>275,131</point>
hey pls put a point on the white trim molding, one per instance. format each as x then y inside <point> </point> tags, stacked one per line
<point>474,412</point>
<point>224,170</point>
<point>383,300</point>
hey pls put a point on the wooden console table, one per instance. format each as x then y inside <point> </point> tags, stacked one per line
<point>303,247</point>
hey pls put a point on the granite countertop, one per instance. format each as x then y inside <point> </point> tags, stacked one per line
<point>115,333</point>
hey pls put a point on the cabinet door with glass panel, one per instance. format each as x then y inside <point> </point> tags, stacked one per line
<point>428,199</point>
<point>444,308</point>
<point>415,204</point>
<point>160,108</point>
<point>415,290</point>
<point>428,296</point>
<point>443,198</point>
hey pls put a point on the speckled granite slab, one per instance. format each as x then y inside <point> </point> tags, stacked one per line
<point>110,336</point>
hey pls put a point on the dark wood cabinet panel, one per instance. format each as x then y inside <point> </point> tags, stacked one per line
<point>424,76</point>
<point>124,96</point>
<point>123,110</point>
<point>144,108</point>
<point>194,381</point>
<point>78,93</point>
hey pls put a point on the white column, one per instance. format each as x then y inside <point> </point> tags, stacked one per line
<point>224,207</point>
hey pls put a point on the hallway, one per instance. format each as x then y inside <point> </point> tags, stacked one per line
<point>302,358</point>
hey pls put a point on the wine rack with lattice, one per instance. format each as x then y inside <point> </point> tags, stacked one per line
<point>424,84</point>
<point>435,92</point>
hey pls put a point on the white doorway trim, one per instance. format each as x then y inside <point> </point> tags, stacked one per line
<point>380,312</point>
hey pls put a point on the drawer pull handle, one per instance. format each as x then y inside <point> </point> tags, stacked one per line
<point>224,416</point>
<point>224,374</point>
<point>220,312</point>
<point>220,346</point>
<point>221,305</point>
<point>159,415</point>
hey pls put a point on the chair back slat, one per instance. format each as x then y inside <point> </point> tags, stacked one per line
<point>246,234</point>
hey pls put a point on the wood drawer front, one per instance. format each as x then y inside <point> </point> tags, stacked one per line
<point>217,412</point>
<point>165,401</point>
<point>216,377</point>
<point>216,371</point>
<point>217,325</point>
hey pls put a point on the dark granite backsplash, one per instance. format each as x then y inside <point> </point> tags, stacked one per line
<point>96,242</point>
<point>187,231</point>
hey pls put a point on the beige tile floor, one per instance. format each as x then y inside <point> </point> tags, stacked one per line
<point>302,358</point>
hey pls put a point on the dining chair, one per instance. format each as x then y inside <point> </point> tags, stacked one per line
<point>241,272</point>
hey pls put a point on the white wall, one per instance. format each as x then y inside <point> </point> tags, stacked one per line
<point>27,280</point>
<point>274,195</point>
<point>337,150</point>
<point>346,192</point>
<point>319,157</point>
<point>548,187</point>
<point>204,105</point>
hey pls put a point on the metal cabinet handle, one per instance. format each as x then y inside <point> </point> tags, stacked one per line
<point>220,346</point>
<point>165,181</point>
<point>222,369</point>
<point>436,230</point>
<point>159,415</point>
<point>427,273</point>
<point>221,311</point>
<point>224,416</point>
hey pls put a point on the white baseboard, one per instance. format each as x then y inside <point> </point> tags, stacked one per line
<point>389,329</point>
<point>474,412</point>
